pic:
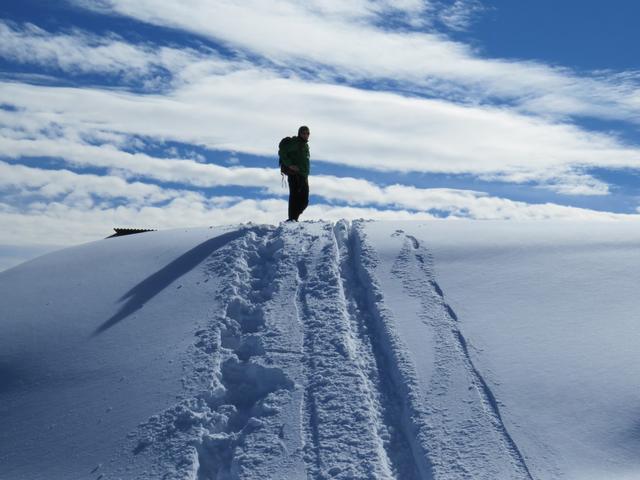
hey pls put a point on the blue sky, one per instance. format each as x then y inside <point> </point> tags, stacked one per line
<point>142,113</point>
<point>589,35</point>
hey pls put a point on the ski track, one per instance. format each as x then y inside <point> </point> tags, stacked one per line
<point>344,435</point>
<point>302,374</point>
<point>375,360</point>
<point>474,442</point>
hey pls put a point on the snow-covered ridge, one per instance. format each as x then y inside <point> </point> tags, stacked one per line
<point>312,350</point>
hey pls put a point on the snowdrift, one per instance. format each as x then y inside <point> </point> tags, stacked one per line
<point>382,350</point>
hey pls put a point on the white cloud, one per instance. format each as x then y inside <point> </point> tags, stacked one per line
<point>566,182</point>
<point>194,174</point>
<point>80,52</point>
<point>63,224</point>
<point>26,182</point>
<point>365,9</point>
<point>460,14</point>
<point>51,184</point>
<point>64,207</point>
<point>355,45</point>
<point>242,111</point>
<point>127,165</point>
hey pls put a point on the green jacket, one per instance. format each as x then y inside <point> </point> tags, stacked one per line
<point>296,152</point>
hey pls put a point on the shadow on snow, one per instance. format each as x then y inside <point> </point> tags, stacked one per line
<point>154,284</point>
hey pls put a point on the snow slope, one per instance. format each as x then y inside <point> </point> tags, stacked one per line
<point>399,350</point>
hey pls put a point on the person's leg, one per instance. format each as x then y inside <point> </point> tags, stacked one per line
<point>304,195</point>
<point>294,189</point>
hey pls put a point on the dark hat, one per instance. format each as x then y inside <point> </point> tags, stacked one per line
<point>303,128</point>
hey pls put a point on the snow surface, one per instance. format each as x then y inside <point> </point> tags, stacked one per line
<point>399,350</point>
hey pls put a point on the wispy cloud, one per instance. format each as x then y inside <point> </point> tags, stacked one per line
<point>359,46</point>
<point>78,52</point>
<point>74,207</point>
<point>39,184</point>
<point>460,14</point>
<point>192,174</point>
<point>371,130</point>
<point>63,222</point>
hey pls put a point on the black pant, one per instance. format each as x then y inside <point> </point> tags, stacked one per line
<point>298,195</point>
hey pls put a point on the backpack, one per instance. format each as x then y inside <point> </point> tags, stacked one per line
<point>283,143</point>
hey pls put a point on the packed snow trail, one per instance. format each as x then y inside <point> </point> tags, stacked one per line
<point>223,429</point>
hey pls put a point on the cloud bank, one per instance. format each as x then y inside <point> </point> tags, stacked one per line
<point>384,90</point>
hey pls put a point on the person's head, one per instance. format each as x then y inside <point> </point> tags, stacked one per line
<point>303,133</point>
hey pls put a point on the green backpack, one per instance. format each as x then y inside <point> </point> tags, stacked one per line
<point>284,170</point>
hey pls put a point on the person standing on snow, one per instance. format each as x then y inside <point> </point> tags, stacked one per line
<point>294,163</point>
